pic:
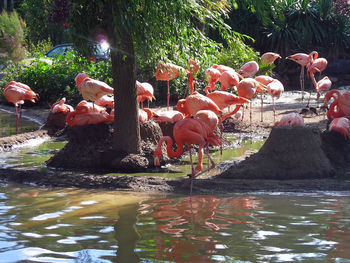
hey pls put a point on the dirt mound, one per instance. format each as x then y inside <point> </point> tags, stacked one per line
<point>90,148</point>
<point>10,142</point>
<point>292,153</point>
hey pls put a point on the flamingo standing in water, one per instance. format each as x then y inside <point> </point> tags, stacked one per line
<point>92,89</point>
<point>303,60</point>
<point>16,93</point>
<point>187,132</point>
<point>167,72</point>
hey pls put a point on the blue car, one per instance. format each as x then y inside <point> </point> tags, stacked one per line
<point>101,52</point>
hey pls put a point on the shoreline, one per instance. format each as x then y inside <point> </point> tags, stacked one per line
<point>216,185</point>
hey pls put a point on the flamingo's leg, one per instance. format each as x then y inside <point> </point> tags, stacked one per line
<point>274,110</point>
<point>262,109</point>
<point>302,82</point>
<point>16,119</point>
<point>168,96</point>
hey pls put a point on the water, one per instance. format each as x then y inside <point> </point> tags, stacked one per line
<point>71,225</point>
<point>8,124</point>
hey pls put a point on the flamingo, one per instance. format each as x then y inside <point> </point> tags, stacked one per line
<point>224,99</point>
<point>85,106</point>
<point>323,85</point>
<point>187,132</point>
<point>196,102</point>
<point>291,119</point>
<point>303,60</point>
<point>145,114</point>
<point>316,65</point>
<point>274,88</point>
<point>60,106</point>
<point>229,79</point>
<point>144,92</point>
<point>86,118</point>
<point>92,89</point>
<point>168,116</point>
<point>16,93</point>
<point>106,101</point>
<point>269,57</point>
<point>193,68</point>
<point>340,107</point>
<point>248,69</point>
<point>341,125</point>
<point>212,75</point>
<point>248,88</point>
<point>167,72</point>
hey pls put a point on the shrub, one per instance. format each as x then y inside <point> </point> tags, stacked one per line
<point>11,37</point>
<point>52,82</point>
<point>39,49</point>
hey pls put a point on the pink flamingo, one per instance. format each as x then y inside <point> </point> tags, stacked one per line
<point>193,68</point>
<point>168,116</point>
<point>61,106</point>
<point>303,60</point>
<point>144,92</point>
<point>87,118</point>
<point>269,57</point>
<point>340,107</point>
<point>212,76</point>
<point>16,93</point>
<point>196,102</point>
<point>167,72</point>
<point>85,106</point>
<point>323,85</point>
<point>341,125</point>
<point>248,69</point>
<point>92,89</point>
<point>291,119</point>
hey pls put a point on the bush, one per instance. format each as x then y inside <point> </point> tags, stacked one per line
<point>11,37</point>
<point>39,49</point>
<point>52,82</point>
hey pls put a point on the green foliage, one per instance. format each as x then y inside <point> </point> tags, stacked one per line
<point>293,26</point>
<point>39,49</point>
<point>11,37</point>
<point>52,82</point>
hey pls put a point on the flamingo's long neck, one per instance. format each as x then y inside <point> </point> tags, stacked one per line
<point>169,142</point>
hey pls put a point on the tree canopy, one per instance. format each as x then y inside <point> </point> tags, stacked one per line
<point>146,26</point>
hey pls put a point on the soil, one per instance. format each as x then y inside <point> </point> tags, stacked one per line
<point>292,159</point>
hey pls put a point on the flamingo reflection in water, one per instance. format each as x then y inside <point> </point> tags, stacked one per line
<point>186,219</point>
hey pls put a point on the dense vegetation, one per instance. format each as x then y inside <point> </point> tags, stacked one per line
<point>288,27</point>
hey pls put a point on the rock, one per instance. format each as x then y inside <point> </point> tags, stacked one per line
<point>289,153</point>
<point>131,163</point>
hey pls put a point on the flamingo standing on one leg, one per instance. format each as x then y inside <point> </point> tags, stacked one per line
<point>303,60</point>
<point>16,93</point>
<point>316,65</point>
<point>167,72</point>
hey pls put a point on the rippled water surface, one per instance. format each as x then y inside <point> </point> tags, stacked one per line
<point>8,124</point>
<point>70,225</point>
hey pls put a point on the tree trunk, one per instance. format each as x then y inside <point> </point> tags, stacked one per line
<point>5,4</point>
<point>126,136</point>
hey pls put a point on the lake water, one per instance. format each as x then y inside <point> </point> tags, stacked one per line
<point>74,225</point>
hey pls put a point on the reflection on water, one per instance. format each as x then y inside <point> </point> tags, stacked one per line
<point>8,124</point>
<point>69,225</point>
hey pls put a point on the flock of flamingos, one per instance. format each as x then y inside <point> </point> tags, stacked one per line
<point>197,116</point>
